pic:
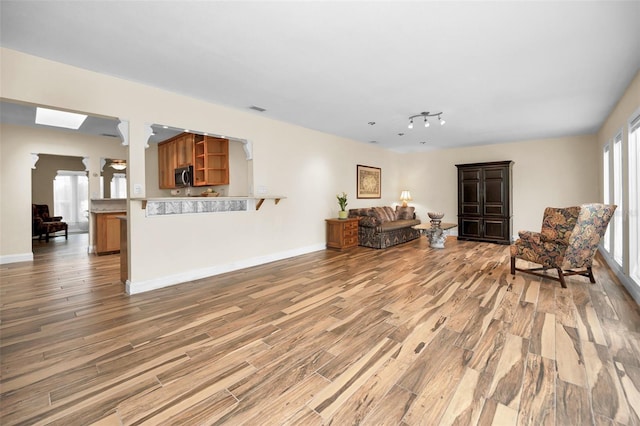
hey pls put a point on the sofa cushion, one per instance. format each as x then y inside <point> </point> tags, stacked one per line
<point>384,214</point>
<point>368,222</point>
<point>405,213</point>
<point>398,224</point>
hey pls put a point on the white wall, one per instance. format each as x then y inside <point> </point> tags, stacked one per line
<point>18,143</point>
<point>306,166</point>
<point>550,172</point>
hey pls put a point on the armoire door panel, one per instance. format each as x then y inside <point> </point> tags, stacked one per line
<point>494,191</point>
<point>494,173</point>
<point>472,209</point>
<point>471,174</point>
<point>470,228</point>
<point>470,192</point>
<point>495,229</point>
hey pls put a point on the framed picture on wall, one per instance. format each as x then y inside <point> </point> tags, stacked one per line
<point>369,182</point>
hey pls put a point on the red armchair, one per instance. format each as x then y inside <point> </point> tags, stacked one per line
<point>46,225</point>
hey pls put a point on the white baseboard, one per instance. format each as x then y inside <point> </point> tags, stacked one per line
<point>156,283</point>
<point>14,258</point>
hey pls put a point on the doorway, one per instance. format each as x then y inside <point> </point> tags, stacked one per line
<point>61,182</point>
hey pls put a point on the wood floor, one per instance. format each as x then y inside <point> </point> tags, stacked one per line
<point>404,336</point>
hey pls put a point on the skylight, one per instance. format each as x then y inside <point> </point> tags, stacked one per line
<point>52,117</point>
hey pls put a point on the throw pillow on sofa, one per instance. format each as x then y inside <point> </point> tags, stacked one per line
<point>384,214</point>
<point>405,213</point>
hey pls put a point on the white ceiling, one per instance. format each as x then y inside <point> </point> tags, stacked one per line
<point>499,71</point>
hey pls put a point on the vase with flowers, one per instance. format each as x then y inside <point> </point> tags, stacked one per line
<point>342,202</point>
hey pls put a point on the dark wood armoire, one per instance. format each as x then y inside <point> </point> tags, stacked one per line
<point>484,202</point>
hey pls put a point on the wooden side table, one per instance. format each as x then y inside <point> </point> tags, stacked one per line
<point>342,233</point>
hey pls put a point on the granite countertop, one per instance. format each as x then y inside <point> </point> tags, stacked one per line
<point>107,205</point>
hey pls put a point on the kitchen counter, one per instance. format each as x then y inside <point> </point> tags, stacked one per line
<point>106,205</point>
<point>192,205</point>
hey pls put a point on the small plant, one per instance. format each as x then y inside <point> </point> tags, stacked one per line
<point>342,201</point>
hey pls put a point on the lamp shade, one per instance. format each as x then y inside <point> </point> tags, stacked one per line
<point>118,164</point>
<point>404,197</point>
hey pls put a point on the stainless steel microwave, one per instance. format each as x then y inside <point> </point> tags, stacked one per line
<point>184,176</point>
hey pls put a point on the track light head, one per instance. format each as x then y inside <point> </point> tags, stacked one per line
<point>425,116</point>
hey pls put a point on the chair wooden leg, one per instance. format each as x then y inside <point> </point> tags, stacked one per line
<point>561,278</point>
<point>513,265</point>
<point>591,277</point>
<point>66,232</point>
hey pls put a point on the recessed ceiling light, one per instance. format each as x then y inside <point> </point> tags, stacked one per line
<point>373,141</point>
<point>52,117</point>
<point>400,134</point>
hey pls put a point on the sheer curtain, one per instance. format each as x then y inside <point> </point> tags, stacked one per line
<point>634,200</point>
<point>71,199</point>
<point>119,185</point>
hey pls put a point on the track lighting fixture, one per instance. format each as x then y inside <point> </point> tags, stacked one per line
<point>426,116</point>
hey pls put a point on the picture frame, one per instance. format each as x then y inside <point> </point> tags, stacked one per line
<point>368,182</point>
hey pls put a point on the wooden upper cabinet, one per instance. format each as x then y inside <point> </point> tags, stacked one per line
<point>167,163</point>
<point>211,161</point>
<point>173,153</point>
<point>184,150</point>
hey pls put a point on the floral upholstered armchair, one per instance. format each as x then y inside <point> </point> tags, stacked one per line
<point>568,241</point>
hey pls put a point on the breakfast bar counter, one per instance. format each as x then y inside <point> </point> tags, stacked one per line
<point>195,205</point>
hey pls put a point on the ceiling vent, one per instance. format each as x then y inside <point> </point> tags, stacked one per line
<point>257,108</point>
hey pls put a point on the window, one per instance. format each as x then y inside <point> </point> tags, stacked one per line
<point>634,200</point>
<point>71,199</point>
<point>618,225</point>
<point>119,185</point>
<point>607,192</point>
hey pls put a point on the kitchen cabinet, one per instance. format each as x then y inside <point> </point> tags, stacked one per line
<point>208,155</point>
<point>184,149</point>
<point>167,162</point>
<point>211,161</point>
<point>484,202</point>
<point>108,232</point>
<point>173,153</point>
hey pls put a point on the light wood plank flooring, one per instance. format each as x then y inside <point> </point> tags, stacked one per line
<point>404,336</point>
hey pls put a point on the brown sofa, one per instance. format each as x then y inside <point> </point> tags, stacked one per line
<point>382,227</point>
